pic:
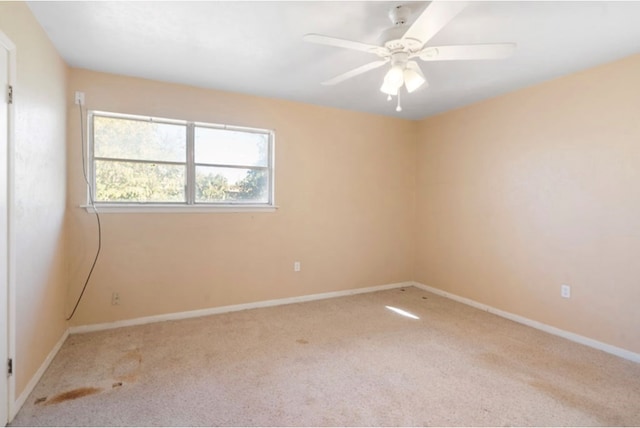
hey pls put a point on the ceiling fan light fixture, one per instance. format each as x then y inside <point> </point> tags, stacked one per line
<point>394,77</point>
<point>413,77</point>
<point>389,89</point>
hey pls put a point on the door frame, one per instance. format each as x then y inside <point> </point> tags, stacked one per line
<point>7,44</point>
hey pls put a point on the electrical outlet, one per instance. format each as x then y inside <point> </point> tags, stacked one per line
<point>296,266</point>
<point>565,291</point>
<point>115,299</point>
<point>80,98</point>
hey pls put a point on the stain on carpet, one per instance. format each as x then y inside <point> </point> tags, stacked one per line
<point>302,341</point>
<point>127,368</point>
<point>74,394</point>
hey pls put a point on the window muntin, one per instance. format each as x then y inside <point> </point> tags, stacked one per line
<point>148,161</point>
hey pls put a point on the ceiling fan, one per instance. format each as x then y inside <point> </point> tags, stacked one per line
<point>401,43</point>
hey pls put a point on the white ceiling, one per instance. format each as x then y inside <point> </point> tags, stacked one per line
<point>257,47</point>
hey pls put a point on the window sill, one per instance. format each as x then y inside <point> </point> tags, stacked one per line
<point>169,208</point>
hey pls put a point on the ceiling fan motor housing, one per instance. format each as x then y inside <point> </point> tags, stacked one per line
<point>392,39</point>
<point>399,59</point>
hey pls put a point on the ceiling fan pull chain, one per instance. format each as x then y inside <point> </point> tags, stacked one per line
<point>399,107</point>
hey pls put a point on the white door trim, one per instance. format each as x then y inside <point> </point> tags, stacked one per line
<point>11,49</point>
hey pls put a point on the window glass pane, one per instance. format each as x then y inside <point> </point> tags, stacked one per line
<point>215,184</point>
<point>226,147</point>
<point>138,140</point>
<point>139,182</point>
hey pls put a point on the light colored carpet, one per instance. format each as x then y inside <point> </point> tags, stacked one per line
<point>341,362</point>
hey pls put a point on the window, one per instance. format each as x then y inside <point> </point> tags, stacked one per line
<point>140,161</point>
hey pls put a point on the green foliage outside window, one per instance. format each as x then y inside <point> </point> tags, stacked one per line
<point>144,161</point>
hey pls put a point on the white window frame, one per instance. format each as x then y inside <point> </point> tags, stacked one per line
<point>189,205</point>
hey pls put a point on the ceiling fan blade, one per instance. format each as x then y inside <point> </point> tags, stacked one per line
<point>459,52</point>
<point>351,73</point>
<point>346,44</point>
<point>433,19</point>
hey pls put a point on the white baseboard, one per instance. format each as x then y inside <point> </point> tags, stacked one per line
<point>17,405</point>
<point>232,308</point>
<point>619,352</point>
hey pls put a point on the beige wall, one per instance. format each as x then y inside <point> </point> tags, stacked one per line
<point>522,193</point>
<point>344,187</point>
<point>40,189</point>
